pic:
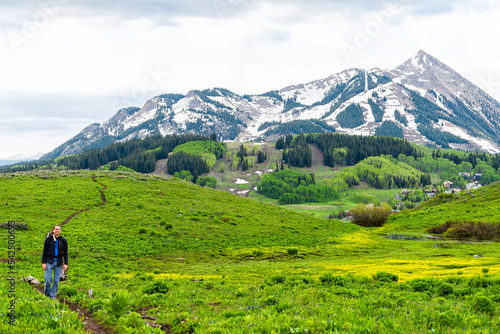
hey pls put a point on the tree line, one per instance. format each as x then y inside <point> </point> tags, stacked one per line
<point>351,117</point>
<point>296,152</point>
<point>138,154</point>
<point>197,157</point>
<point>356,148</point>
<point>290,187</point>
<point>389,129</point>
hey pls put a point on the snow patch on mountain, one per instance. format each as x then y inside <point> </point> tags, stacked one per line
<point>238,118</point>
<point>485,144</point>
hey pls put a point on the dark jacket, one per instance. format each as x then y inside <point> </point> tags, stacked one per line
<point>49,249</point>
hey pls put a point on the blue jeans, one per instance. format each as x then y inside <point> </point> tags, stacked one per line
<point>52,292</point>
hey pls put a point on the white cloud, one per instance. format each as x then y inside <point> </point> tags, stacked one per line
<point>89,52</point>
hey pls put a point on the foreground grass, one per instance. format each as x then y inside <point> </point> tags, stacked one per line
<point>233,265</point>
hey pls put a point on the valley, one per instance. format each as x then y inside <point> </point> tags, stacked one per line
<point>179,258</point>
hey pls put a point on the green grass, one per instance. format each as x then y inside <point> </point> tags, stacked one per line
<point>233,264</point>
<point>482,204</point>
<point>346,201</point>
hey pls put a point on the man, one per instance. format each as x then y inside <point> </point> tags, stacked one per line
<point>54,256</point>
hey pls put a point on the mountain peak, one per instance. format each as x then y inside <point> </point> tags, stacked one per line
<point>423,60</point>
<point>421,54</point>
<point>447,102</point>
<point>423,70</point>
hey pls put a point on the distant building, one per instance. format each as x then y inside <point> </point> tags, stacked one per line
<point>456,190</point>
<point>472,185</point>
<point>397,197</point>
<point>477,177</point>
<point>407,191</point>
<point>447,184</point>
<point>431,195</point>
<point>465,175</point>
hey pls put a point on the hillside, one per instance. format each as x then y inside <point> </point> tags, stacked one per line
<point>197,260</point>
<point>482,204</point>
<point>359,168</point>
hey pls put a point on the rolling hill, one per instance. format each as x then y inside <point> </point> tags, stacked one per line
<point>179,258</point>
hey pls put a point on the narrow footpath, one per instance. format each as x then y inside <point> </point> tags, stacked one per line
<point>89,323</point>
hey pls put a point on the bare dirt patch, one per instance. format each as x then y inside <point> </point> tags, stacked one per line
<point>89,323</point>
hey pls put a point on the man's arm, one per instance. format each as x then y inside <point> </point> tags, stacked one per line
<point>45,248</point>
<point>65,247</point>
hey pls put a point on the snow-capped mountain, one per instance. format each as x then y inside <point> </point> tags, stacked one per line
<point>19,158</point>
<point>422,99</point>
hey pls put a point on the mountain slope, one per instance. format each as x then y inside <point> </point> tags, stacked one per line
<point>431,103</point>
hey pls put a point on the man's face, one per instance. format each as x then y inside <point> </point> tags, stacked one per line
<point>57,231</point>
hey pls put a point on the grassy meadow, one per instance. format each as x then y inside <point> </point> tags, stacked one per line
<point>164,255</point>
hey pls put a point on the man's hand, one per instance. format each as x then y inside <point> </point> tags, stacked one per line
<point>65,267</point>
<point>44,266</point>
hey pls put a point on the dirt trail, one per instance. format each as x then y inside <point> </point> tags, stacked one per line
<point>89,324</point>
<point>103,198</point>
<point>103,202</point>
<point>86,316</point>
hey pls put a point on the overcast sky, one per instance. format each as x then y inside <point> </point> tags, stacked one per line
<point>68,63</point>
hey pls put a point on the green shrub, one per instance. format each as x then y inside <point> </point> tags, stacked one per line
<point>292,251</point>
<point>133,320</point>
<point>454,280</point>
<point>278,279</point>
<point>421,285</point>
<point>444,289</point>
<point>141,277</point>
<point>401,301</point>
<point>142,230</point>
<point>96,305</point>
<point>257,253</point>
<point>333,280</point>
<point>440,229</point>
<point>271,301</point>
<point>371,215</point>
<point>116,305</point>
<point>449,319</point>
<point>384,280</point>
<point>462,291</point>
<point>240,293</point>
<point>483,281</point>
<point>230,314</point>
<point>363,198</point>
<point>296,280</point>
<point>468,230</point>
<point>483,304</point>
<point>208,285</point>
<point>198,302</point>
<point>67,291</point>
<point>385,276</point>
<point>159,286</point>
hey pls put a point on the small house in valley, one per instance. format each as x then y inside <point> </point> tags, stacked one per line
<point>447,184</point>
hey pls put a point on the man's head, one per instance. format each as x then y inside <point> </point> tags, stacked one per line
<point>57,230</point>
